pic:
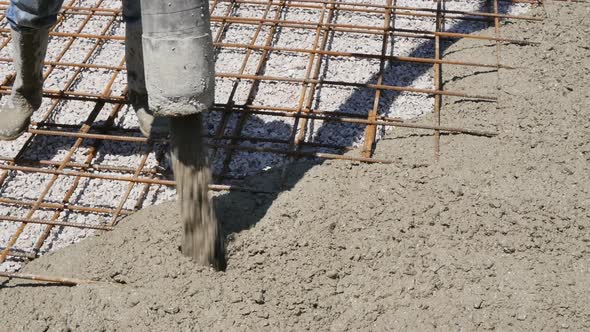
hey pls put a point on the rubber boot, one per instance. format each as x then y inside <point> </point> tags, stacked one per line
<point>149,125</point>
<point>29,48</point>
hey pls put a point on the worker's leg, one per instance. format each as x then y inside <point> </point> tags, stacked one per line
<point>30,21</point>
<point>135,71</point>
<point>32,14</point>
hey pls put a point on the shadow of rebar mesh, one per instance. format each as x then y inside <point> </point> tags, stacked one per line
<point>286,89</point>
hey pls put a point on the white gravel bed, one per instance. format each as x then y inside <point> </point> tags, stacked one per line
<point>108,194</point>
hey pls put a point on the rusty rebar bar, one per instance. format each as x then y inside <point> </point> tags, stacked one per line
<point>55,223</point>
<point>308,90</point>
<point>346,7</point>
<point>437,78</point>
<point>62,206</point>
<point>42,278</point>
<point>309,114</point>
<point>371,130</point>
<point>358,85</point>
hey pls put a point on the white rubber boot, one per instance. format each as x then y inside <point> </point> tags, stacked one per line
<point>29,48</point>
<point>149,125</point>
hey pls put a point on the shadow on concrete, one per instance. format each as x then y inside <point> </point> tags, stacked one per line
<point>239,211</point>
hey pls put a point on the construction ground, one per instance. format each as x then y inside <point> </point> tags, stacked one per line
<point>379,165</point>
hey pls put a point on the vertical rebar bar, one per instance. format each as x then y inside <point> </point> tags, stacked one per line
<point>371,131</point>
<point>437,79</point>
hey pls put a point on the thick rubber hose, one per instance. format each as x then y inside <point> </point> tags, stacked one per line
<point>178,56</point>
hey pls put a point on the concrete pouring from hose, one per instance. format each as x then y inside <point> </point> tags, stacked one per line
<point>180,82</point>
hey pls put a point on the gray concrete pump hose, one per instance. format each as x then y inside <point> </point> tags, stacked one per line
<point>178,55</point>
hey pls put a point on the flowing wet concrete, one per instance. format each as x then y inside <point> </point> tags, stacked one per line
<point>493,237</point>
<point>202,238</point>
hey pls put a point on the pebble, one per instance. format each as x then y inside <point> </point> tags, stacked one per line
<point>259,297</point>
<point>172,310</point>
<point>262,314</point>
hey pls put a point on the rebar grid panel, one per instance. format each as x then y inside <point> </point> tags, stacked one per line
<point>295,79</point>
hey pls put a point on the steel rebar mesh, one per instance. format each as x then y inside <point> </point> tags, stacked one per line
<point>295,79</point>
